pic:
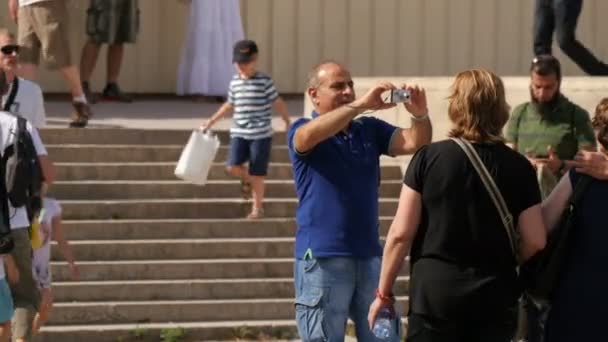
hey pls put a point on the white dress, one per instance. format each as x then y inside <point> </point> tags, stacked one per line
<point>206,62</point>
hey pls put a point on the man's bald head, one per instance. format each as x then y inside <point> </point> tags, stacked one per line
<point>330,86</point>
<point>319,71</point>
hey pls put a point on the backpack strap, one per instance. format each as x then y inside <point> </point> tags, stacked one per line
<point>19,133</point>
<point>12,95</point>
<point>493,191</point>
<point>21,125</point>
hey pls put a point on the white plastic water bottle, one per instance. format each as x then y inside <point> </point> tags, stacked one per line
<point>384,325</point>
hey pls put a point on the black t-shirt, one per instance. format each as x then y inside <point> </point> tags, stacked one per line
<point>462,263</point>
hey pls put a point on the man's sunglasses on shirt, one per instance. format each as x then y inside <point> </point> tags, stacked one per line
<point>10,49</point>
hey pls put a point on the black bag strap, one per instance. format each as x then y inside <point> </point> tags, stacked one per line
<point>12,95</point>
<point>494,192</point>
<point>21,125</point>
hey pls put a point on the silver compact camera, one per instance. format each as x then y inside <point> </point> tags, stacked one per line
<point>400,95</point>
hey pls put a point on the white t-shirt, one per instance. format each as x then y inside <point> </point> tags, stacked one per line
<point>8,126</point>
<point>28,103</point>
<point>29,2</point>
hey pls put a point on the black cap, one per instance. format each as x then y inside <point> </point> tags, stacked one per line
<point>244,50</point>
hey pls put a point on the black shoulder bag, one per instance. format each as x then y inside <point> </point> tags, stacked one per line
<point>6,240</point>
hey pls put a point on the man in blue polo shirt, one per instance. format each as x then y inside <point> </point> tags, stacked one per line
<point>335,157</point>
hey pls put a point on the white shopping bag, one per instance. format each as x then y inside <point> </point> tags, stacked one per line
<point>196,159</point>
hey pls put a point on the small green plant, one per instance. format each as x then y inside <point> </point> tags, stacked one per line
<point>139,333</point>
<point>244,333</point>
<point>120,339</point>
<point>173,334</point>
<point>283,333</point>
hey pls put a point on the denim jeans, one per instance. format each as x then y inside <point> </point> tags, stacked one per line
<point>561,17</point>
<point>331,290</point>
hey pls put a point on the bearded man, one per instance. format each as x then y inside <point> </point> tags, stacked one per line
<point>549,129</point>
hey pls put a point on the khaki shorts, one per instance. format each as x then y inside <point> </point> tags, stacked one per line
<point>113,21</point>
<point>43,29</point>
<point>26,296</point>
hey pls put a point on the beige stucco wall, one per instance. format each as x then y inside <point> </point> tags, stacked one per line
<point>375,37</point>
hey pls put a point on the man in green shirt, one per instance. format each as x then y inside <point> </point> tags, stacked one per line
<point>549,129</point>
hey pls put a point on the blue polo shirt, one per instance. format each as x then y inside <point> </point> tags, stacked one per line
<point>337,185</point>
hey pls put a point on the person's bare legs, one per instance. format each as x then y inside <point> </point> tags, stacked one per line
<point>88,60</point>
<point>5,331</point>
<point>257,190</point>
<point>82,110</point>
<point>239,171</point>
<point>115,53</point>
<point>72,78</point>
<point>69,74</point>
<point>46,304</point>
<point>112,91</point>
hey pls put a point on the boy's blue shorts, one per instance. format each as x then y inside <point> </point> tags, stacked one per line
<point>256,152</point>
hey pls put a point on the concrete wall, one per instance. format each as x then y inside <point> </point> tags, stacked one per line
<point>375,37</point>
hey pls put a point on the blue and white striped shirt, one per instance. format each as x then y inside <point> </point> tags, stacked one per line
<point>252,100</point>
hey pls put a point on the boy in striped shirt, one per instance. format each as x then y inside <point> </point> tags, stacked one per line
<point>251,96</point>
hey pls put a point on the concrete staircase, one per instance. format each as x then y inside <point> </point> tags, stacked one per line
<point>157,254</point>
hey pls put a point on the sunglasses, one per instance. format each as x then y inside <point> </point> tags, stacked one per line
<point>10,49</point>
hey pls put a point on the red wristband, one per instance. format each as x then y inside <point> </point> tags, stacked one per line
<point>384,298</point>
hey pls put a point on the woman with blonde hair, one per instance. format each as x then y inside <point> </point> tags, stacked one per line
<point>577,309</point>
<point>463,259</point>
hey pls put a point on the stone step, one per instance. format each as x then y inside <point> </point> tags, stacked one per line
<point>123,136</point>
<point>116,190</point>
<point>100,250</point>
<point>164,171</point>
<point>138,153</point>
<point>139,270</point>
<point>120,312</point>
<point>190,289</point>
<point>175,249</point>
<point>244,331</point>
<point>187,208</point>
<point>176,269</point>
<point>186,229</point>
<point>250,330</point>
